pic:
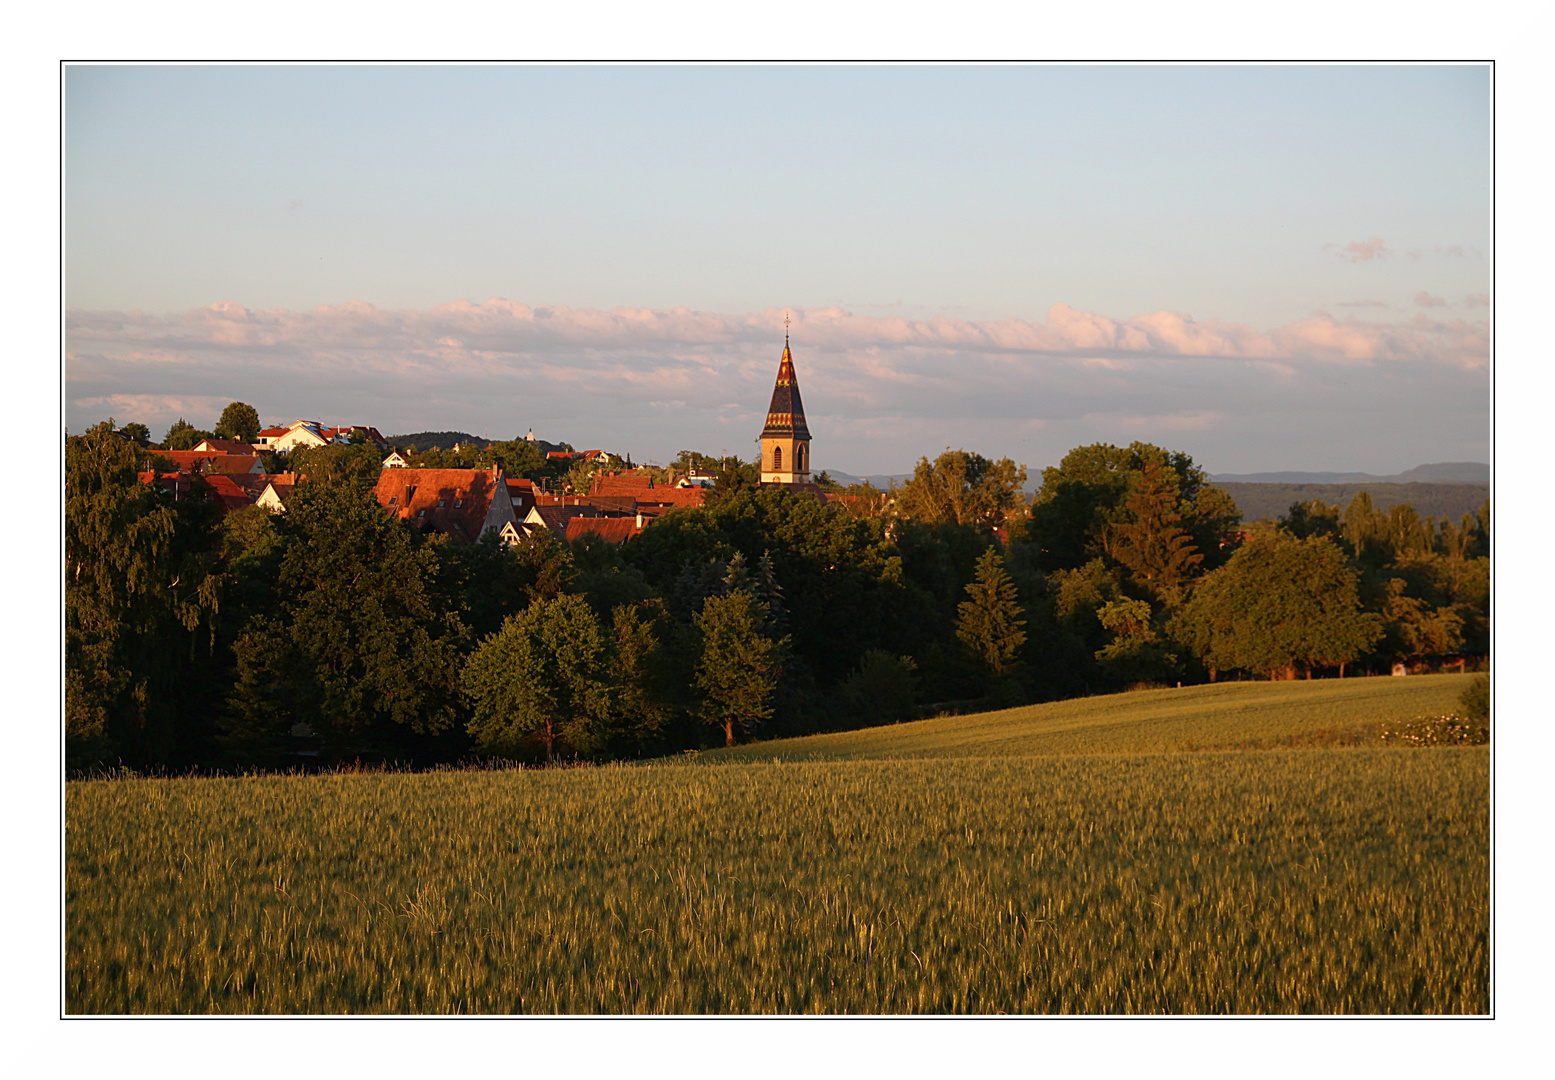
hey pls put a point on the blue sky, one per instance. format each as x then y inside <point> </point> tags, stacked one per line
<point>1330,224</point>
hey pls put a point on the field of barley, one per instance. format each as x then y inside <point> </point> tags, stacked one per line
<point>1034,872</point>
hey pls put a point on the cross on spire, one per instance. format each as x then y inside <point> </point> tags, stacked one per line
<point>785,329</point>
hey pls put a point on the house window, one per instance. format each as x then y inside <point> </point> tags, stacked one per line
<point>458,503</point>
<point>421,513</point>
<point>394,500</point>
<point>442,503</point>
<point>777,458</point>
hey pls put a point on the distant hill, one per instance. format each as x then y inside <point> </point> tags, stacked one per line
<point>445,440</point>
<point>442,440</point>
<point>1445,472</point>
<point>1271,500</point>
<point>880,480</point>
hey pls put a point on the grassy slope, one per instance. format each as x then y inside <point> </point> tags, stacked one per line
<point>1239,715</point>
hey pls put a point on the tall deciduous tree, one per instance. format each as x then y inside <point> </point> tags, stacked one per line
<point>964,489</point>
<point>543,674</point>
<point>989,621</point>
<point>1278,604</point>
<point>738,668</point>
<point>239,421</point>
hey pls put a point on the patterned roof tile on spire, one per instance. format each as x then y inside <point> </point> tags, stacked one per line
<point>785,416</point>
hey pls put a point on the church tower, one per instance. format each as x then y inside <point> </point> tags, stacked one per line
<point>785,441</point>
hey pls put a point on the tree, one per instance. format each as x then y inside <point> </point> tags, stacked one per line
<point>239,421</point>
<point>543,674</point>
<point>990,622</point>
<point>639,709</point>
<point>964,489</point>
<point>136,431</point>
<point>361,643</point>
<point>882,690</point>
<point>336,465</point>
<point>738,668</point>
<point>1136,654</point>
<point>183,436</point>
<point>1159,553</point>
<point>1279,603</point>
<point>137,587</point>
<point>1085,497</point>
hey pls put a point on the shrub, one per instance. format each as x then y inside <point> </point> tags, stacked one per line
<point>1475,699</point>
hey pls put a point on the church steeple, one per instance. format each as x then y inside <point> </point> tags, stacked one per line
<point>785,441</point>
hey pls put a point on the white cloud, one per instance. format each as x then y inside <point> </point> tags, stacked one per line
<point>654,381</point>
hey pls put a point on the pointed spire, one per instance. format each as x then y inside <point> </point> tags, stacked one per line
<point>785,416</point>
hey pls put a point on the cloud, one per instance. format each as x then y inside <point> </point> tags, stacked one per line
<point>1360,250</point>
<point>1362,303</point>
<point>1425,299</point>
<point>1477,300</point>
<point>653,381</point>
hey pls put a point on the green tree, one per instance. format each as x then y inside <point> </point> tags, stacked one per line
<point>543,674</point>
<point>989,622</point>
<point>639,699</point>
<point>882,690</point>
<point>964,489</point>
<point>357,466</point>
<point>1136,653</point>
<point>738,668</point>
<point>1278,604</point>
<point>136,431</point>
<point>361,644</point>
<point>239,421</point>
<point>183,436</point>
<point>138,585</point>
<point>1084,497</point>
<point>1149,542</point>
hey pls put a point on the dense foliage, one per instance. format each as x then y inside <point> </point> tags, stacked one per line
<point>336,632</point>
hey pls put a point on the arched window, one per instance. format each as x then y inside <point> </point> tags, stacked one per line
<point>799,458</point>
<point>777,459</point>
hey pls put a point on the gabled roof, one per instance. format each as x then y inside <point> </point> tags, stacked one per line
<point>785,416</point>
<point>451,501</point>
<point>225,446</point>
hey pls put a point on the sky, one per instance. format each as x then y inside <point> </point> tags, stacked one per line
<point>1267,267</point>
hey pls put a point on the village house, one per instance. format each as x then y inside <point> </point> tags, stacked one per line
<point>463,504</point>
<point>308,433</point>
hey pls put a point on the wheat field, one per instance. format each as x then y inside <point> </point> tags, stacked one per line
<point>1299,880</point>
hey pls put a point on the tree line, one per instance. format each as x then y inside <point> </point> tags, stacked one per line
<point>336,631</point>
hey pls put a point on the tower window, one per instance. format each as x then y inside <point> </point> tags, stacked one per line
<point>777,458</point>
<point>799,458</point>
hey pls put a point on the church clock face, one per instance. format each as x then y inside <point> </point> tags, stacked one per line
<point>785,441</point>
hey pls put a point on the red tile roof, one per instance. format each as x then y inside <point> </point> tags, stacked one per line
<point>226,493</point>
<point>451,501</point>
<point>193,461</point>
<point>617,530</point>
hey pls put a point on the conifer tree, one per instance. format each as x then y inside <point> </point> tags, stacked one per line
<point>989,621</point>
<point>1151,543</point>
<point>738,669</point>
